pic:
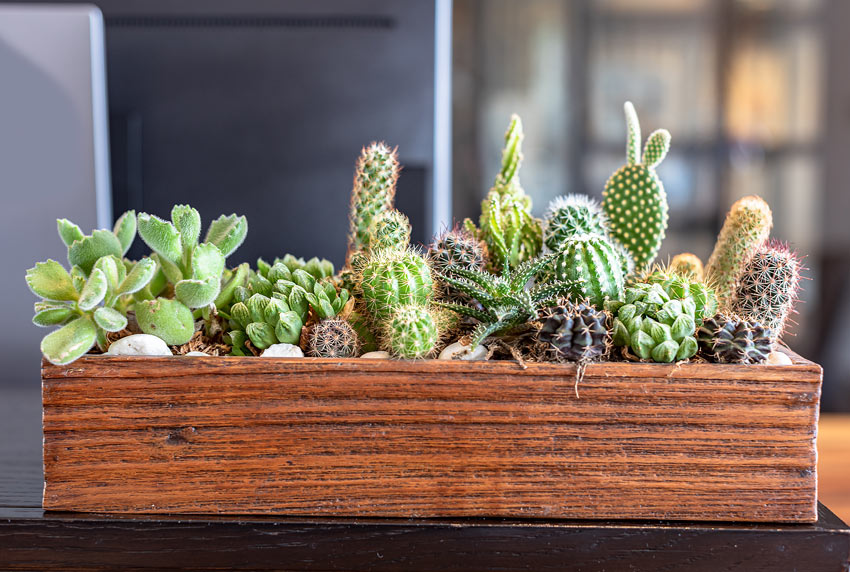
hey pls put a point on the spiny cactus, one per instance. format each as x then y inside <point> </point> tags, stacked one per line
<point>264,321</point>
<point>747,226</point>
<point>654,324</point>
<point>727,338</point>
<point>195,269</point>
<point>455,247</point>
<point>390,230</point>
<point>769,287</point>
<point>571,215</point>
<point>394,278</point>
<point>333,338</point>
<point>575,331</point>
<point>591,263</point>
<point>504,300</point>
<point>687,265</point>
<point>634,199</point>
<point>410,332</point>
<point>373,193</point>
<point>511,234</point>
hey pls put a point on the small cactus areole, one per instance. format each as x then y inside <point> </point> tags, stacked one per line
<point>592,262</point>
<point>634,199</point>
<point>394,278</point>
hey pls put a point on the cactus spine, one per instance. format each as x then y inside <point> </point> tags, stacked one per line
<point>746,227</point>
<point>768,287</point>
<point>455,247</point>
<point>634,199</point>
<point>571,215</point>
<point>687,265</point>
<point>410,333</point>
<point>333,338</point>
<point>591,263</point>
<point>373,193</point>
<point>394,278</point>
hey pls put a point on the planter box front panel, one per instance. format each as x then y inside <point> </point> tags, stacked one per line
<point>431,439</point>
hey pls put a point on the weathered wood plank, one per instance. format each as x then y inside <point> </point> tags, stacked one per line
<point>431,439</point>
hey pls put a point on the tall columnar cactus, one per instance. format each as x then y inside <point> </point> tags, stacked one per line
<point>592,264</point>
<point>769,287</point>
<point>195,269</point>
<point>747,226</point>
<point>511,234</point>
<point>395,278</point>
<point>373,193</point>
<point>455,247</point>
<point>687,265</point>
<point>634,199</point>
<point>571,215</point>
<point>410,332</point>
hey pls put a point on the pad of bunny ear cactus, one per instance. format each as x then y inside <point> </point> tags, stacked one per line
<point>634,198</point>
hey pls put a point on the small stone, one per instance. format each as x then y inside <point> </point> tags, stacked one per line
<point>139,345</point>
<point>282,350</point>
<point>376,355</point>
<point>197,354</point>
<point>778,358</point>
<point>459,351</point>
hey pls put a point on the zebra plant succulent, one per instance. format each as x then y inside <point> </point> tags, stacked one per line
<point>505,301</point>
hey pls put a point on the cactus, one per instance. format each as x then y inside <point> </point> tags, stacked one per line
<point>333,338</point>
<point>687,265</point>
<point>454,247</point>
<point>390,230</point>
<point>503,302</point>
<point>373,193</point>
<point>410,332</point>
<point>575,331</point>
<point>769,287</point>
<point>654,324</point>
<point>634,199</point>
<point>394,278</point>
<point>511,234</point>
<point>727,338</point>
<point>591,263</point>
<point>747,226</point>
<point>569,216</point>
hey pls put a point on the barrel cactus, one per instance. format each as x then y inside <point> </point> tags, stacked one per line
<point>575,331</point>
<point>572,215</point>
<point>410,332</point>
<point>726,338</point>
<point>394,278</point>
<point>333,338</point>
<point>634,198</point>
<point>591,263</point>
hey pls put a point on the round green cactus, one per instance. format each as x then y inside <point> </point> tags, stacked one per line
<point>410,333</point>
<point>634,199</point>
<point>333,338</point>
<point>391,229</point>
<point>395,278</point>
<point>571,215</point>
<point>592,263</point>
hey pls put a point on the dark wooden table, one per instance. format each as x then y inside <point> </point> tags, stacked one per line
<point>33,540</point>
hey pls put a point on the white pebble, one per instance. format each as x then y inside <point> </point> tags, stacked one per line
<point>139,345</point>
<point>460,351</point>
<point>778,358</point>
<point>197,354</point>
<point>376,355</point>
<point>282,350</point>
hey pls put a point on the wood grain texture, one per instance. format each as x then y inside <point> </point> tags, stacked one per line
<point>431,439</point>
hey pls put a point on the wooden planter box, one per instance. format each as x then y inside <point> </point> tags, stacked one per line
<point>431,439</point>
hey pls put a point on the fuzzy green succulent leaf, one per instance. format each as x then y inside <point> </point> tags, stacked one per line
<point>125,230</point>
<point>86,251</point>
<point>288,327</point>
<point>68,231</point>
<point>139,277</point>
<point>162,237</point>
<point>94,291</point>
<point>197,293</point>
<point>227,233</point>
<point>53,315</point>
<point>51,281</point>
<point>114,270</point>
<point>187,221</point>
<point>69,342</point>
<point>110,319</point>
<point>657,146</point>
<point>207,262</point>
<point>167,319</point>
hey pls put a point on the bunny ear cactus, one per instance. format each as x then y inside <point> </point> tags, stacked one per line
<point>511,234</point>
<point>634,199</point>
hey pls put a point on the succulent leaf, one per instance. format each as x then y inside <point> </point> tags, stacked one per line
<point>53,316</point>
<point>227,233</point>
<point>69,342</point>
<point>68,231</point>
<point>187,221</point>
<point>86,251</point>
<point>167,319</point>
<point>50,280</point>
<point>110,319</point>
<point>142,273</point>
<point>125,230</point>
<point>94,291</point>
<point>162,237</point>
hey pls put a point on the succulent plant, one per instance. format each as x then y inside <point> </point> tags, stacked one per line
<point>317,268</point>
<point>511,233</point>
<point>373,193</point>
<point>195,269</point>
<point>395,278</point>
<point>569,216</point>
<point>85,250</point>
<point>264,321</point>
<point>746,228</point>
<point>592,264</point>
<point>634,199</point>
<point>360,322</point>
<point>687,265</point>
<point>391,229</point>
<point>410,332</point>
<point>769,287</point>
<point>575,331</point>
<point>503,302</point>
<point>333,338</point>
<point>680,287</point>
<point>727,338</point>
<point>654,324</point>
<point>455,247</point>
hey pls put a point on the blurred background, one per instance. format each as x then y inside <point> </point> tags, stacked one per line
<point>261,106</point>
